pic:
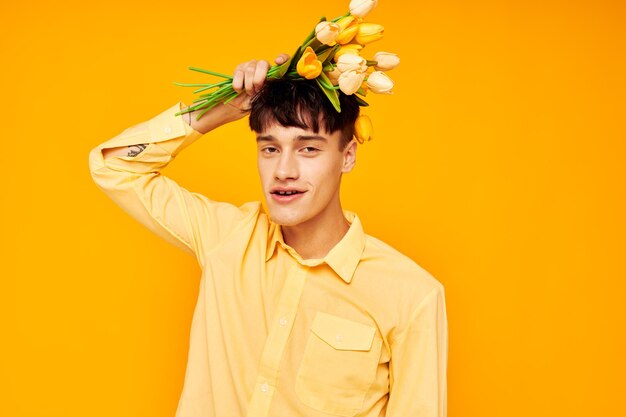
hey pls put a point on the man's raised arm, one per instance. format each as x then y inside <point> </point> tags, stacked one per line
<point>128,169</point>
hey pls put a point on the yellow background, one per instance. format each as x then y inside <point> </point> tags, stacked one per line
<point>498,165</point>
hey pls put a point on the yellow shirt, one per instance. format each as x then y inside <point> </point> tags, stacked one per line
<point>361,332</point>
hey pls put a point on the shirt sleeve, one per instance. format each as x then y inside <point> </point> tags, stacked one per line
<point>418,365</point>
<point>188,220</point>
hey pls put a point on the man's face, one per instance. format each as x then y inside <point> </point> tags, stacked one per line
<point>305,164</point>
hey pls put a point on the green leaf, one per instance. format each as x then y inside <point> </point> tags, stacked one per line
<point>331,56</point>
<point>293,62</point>
<point>361,102</point>
<point>324,56</point>
<point>332,94</point>
<point>313,43</point>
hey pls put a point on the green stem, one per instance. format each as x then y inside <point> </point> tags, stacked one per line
<point>329,86</point>
<point>209,86</point>
<point>211,72</point>
<point>189,85</point>
<point>231,97</point>
<point>273,69</point>
<point>203,112</point>
<point>341,17</point>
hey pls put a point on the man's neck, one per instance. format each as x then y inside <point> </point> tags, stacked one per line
<point>314,239</point>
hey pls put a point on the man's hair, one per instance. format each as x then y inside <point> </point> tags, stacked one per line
<point>303,104</point>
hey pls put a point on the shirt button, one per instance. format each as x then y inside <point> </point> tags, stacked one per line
<point>167,129</point>
<point>282,322</point>
<point>264,387</point>
<point>339,338</point>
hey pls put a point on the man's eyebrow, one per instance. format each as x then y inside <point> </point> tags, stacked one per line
<point>265,138</point>
<point>311,137</point>
<point>270,138</point>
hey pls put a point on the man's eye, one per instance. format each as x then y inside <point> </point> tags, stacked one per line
<point>310,149</point>
<point>268,150</point>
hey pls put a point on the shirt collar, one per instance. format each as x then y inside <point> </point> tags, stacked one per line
<point>343,258</point>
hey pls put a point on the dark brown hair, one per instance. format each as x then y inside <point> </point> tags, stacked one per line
<point>303,104</point>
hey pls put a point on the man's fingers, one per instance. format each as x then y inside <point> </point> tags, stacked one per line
<point>260,74</point>
<point>248,80</point>
<point>251,75</point>
<point>238,79</point>
<point>282,58</point>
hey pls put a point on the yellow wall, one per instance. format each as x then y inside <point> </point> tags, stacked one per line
<point>498,165</point>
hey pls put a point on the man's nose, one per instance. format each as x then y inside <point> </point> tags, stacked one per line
<point>287,167</point>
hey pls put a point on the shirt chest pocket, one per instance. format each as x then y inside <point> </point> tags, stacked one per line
<point>338,366</point>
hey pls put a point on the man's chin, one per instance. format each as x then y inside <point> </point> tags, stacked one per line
<point>284,217</point>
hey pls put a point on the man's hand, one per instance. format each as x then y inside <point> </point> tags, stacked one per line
<point>248,79</point>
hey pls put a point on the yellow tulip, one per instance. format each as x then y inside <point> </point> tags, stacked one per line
<point>368,33</point>
<point>350,81</point>
<point>380,83</point>
<point>361,8</point>
<point>363,129</point>
<point>352,48</point>
<point>327,32</point>
<point>348,28</point>
<point>309,66</point>
<point>386,61</point>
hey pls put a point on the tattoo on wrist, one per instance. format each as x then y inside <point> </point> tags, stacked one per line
<point>136,149</point>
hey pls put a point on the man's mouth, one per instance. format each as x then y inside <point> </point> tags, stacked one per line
<point>286,192</point>
<point>286,196</point>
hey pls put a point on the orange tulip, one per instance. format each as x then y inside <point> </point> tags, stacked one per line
<point>309,66</point>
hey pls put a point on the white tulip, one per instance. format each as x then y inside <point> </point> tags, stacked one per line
<point>327,32</point>
<point>380,83</point>
<point>352,62</point>
<point>360,8</point>
<point>386,61</point>
<point>350,81</point>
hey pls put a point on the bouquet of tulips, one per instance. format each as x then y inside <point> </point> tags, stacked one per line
<point>331,55</point>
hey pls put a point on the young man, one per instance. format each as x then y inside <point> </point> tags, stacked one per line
<point>299,313</point>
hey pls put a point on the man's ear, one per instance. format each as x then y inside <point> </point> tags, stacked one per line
<point>349,156</point>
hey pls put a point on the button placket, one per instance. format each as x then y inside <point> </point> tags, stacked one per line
<point>279,332</point>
